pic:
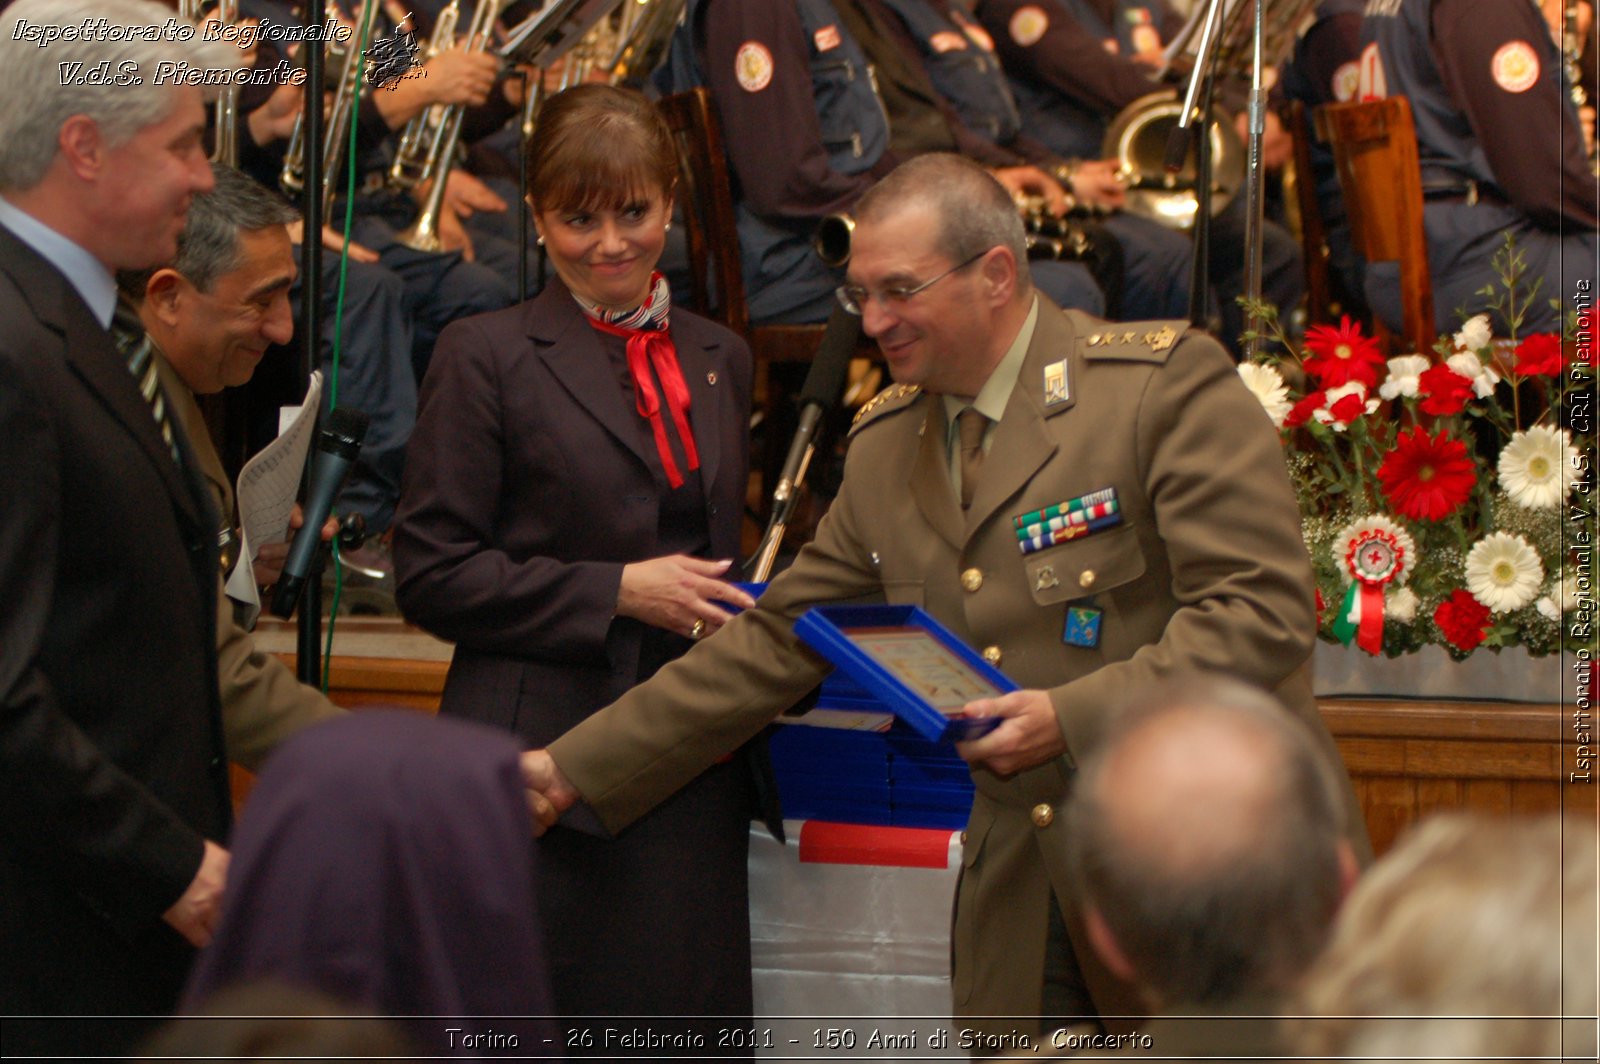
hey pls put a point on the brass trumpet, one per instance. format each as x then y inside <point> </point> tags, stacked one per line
<point>414,154</point>
<point>225,124</point>
<point>423,235</point>
<point>292,177</point>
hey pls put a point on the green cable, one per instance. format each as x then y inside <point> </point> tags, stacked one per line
<point>338,315</point>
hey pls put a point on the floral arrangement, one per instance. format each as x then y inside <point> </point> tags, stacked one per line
<point>1442,498</point>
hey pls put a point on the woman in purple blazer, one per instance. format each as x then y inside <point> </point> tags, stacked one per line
<point>570,510</point>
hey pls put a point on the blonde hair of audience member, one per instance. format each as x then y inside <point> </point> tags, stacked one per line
<point>269,1020</point>
<point>1207,838</point>
<point>1487,923</point>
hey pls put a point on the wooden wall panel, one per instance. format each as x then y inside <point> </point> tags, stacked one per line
<point>1407,758</point>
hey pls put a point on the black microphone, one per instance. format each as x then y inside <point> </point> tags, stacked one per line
<point>336,450</point>
<point>820,393</point>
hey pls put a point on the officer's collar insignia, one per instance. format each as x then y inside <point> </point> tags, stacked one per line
<point>1057,390</point>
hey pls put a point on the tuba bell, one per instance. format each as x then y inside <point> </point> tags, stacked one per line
<point>1137,140</point>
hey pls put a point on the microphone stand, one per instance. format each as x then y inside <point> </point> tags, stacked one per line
<point>1255,182</point>
<point>820,395</point>
<point>1194,127</point>
<point>308,631</point>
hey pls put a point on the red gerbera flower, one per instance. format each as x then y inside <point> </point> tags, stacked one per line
<point>1348,408</point>
<point>1301,412</point>
<point>1343,355</point>
<point>1427,477</point>
<point>1443,390</point>
<point>1463,619</point>
<point>1539,356</point>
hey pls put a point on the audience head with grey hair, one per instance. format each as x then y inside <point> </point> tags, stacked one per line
<point>94,141</point>
<point>1474,938</point>
<point>225,298</point>
<point>939,273</point>
<point>1207,837</point>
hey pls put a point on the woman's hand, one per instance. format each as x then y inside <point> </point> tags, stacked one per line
<point>676,593</point>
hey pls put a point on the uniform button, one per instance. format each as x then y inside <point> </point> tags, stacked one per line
<point>1043,815</point>
<point>972,579</point>
<point>711,378</point>
<point>991,654</point>
<point>216,762</point>
<point>1086,578</point>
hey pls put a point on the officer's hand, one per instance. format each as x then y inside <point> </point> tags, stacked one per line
<point>1026,181</point>
<point>1029,733</point>
<point>549,792</point>
<point>454,76</point>
<point>677,593</point>
<point>1099,182</point>
<point>271,557</point>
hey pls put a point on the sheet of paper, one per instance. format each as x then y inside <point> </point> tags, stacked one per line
<point>269,482</point>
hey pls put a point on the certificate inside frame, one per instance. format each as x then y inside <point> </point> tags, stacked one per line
<point>924,664</point>
<point>829,630</point>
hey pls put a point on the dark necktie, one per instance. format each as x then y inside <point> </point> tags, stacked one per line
<point>970,424</point>
<point>133,343</point>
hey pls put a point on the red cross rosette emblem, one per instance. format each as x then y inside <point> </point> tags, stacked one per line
<point>1377,552</point>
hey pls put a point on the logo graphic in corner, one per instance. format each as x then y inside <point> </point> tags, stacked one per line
<point>393,57</point>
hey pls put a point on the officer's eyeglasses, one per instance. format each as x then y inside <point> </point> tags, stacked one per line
<point>854,297</point>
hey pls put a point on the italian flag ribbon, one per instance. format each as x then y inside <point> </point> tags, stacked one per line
<point>1374,557</point>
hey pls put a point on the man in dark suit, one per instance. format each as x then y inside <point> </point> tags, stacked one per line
<point>211,316</point>
<point>115,780</point>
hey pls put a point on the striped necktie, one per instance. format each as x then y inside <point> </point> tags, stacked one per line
<point>133,343</point>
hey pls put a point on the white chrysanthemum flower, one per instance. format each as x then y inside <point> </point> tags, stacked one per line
<point>1561,596</point>
<point>1380,527</point>
<point>1266,384</point>
<point>1475,334</point>
<point>1325,414</point>
<point>1473,368</point>
<point>1536,466</point>
<point>1401,605</point>
<point>1504,572</point>
<point>1405,374</point>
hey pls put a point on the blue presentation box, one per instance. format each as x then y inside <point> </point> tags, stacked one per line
<point>912,664</point>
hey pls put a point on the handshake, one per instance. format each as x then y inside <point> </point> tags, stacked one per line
<point>549,792</point>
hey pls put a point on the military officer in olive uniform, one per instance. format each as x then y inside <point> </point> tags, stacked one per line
<point>1187,555</point>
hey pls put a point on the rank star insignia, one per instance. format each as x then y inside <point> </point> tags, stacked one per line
<point>1046,579</point>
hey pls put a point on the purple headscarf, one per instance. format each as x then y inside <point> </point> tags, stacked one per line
<point>386,859</point>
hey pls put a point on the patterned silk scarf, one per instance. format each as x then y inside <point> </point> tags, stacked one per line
<point>645,329</point>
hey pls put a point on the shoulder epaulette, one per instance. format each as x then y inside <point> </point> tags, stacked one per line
<point>894,397</point>
<point>1132,341</point>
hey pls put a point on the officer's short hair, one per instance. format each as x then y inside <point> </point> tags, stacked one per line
<point>975,211</point>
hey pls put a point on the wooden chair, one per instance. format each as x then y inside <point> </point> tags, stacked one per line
<point>1375,149</point>
<point>1313,234</point>
<point>717,289</point>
